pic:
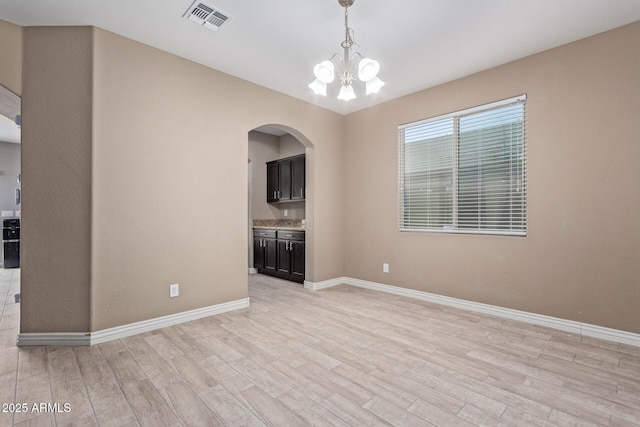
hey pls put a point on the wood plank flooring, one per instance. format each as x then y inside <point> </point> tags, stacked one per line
<point>342,356</point>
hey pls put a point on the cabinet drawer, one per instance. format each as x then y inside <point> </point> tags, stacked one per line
<point>260,232</point>
<point>291,235</point>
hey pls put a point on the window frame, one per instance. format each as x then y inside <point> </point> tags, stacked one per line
<point>455,116</point>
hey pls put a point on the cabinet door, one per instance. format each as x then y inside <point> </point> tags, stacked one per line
<point>297,178</point>
<point>297,259</point>
<point>273,181</point>
<point>284,257</point>
<point>270,254</point>
<point>285,180</point>
<point>258,254</point>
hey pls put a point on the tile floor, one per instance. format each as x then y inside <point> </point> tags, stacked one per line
<point>341,356</point>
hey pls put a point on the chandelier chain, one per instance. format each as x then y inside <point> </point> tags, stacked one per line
<point>348,39</point>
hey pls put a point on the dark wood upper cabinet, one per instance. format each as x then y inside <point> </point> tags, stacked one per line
<point>286,179</point>
<point>297,178</point>
<point>273,179</point>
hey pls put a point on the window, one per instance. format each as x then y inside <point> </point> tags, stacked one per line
<point>465,172</point>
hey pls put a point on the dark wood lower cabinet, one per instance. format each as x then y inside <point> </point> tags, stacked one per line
<point>282,256</point>
<point>258,253</point>
<point>265,255</point>
<point>270,255</point>
<point>297,260</point>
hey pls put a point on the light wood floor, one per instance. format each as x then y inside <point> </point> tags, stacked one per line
<point>340,356</point>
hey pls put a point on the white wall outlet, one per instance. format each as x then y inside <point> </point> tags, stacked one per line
<point>385,268</point>
<point>174,290</point>
<point>286,212</point>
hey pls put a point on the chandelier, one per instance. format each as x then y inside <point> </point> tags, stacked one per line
<point>367,68</point>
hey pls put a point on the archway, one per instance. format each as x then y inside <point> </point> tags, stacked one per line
<point>267,143</point>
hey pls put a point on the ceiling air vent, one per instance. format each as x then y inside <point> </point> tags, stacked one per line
<point>207,15</point>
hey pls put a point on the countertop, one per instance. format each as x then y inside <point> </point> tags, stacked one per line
<point>284,227</point>
<point>280,224</point>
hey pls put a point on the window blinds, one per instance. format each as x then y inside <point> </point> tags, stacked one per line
<point>466,171</point>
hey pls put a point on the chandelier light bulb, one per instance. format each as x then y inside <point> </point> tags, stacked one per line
<point>318,87</point>
<point>373,85</point>
<point>367,69</point>
<point>324,71</point>
<point>346,93</point>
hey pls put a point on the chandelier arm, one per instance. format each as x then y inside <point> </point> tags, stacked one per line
<point>334,56</point>
<point>337,60</point>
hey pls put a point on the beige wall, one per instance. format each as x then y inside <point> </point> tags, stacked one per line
<point>11,56</point>
<point>56,179</point>
<point>262,148</point>
<point>170,181</point>
<point>290,146</point>
<point>580,258</point>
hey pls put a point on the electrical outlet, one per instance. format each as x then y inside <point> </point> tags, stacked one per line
<point>174,290</point>
<point>385,268</point>
<point>286,212</point>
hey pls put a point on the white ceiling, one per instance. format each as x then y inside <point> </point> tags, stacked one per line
<point>276,43</point>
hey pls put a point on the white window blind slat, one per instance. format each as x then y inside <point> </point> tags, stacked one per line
<point>466,171</point>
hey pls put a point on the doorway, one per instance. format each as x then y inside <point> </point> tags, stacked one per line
<point>273,144</point>
<point>10,208</point>
<point>10,177</point>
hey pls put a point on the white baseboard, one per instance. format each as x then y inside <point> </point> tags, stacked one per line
<point>579,328</point>
<point>54,338</point>
<point>316,286</point>
<point>105,335</point>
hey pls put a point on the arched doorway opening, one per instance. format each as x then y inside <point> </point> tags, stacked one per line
<point>269,143</point>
